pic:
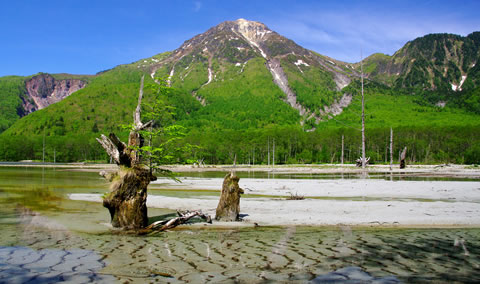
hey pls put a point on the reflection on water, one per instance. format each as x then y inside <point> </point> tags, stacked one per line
<point>396,176</point>
<point>198,254</point>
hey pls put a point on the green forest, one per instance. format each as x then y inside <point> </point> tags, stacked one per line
<point>431,134</point>
<point>11,102</point>
<point>426,145</point>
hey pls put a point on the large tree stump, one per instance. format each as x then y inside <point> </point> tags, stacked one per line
<point>127,199</point>
<point>228,208</point>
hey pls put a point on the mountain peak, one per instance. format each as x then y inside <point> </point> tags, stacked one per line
<point>252,31</point>
<point>246,23</point>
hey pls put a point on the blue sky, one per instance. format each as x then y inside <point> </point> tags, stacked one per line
<point>88,36</point>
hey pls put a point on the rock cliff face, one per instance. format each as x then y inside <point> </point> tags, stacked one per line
<point>44,90</point>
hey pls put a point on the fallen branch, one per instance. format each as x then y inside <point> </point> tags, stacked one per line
<point>183,217</point>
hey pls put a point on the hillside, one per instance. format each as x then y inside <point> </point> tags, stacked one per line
<point>440,68</point>
<point>240,85</point>
<point>20,96</point>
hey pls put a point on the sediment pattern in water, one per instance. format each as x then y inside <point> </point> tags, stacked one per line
<point>288,254</point>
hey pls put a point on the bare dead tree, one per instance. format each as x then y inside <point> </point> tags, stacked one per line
<point>364,159</point>
<point>343,147</point>
<point>391,148</point>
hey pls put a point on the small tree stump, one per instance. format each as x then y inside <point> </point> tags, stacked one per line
<point>228,208</point>
<point>402,158</point>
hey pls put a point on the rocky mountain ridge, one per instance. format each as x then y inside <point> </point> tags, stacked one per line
<point>435,62</point>
<point>237,42</point>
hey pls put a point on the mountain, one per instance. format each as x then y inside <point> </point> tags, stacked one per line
<point>237,64</point>
<point>244,65</point>
<point>211,64</point>
<point>442,67</point>
<point>240,79</point>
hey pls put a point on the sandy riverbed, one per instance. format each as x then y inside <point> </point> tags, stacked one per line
<point>357,202</point>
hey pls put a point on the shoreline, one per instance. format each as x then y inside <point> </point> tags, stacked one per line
<point>329,200</point>
<point>358,203</point>
<point>449,170</point>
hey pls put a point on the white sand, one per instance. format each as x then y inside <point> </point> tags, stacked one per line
<point>350,202</point>
<point>368,188</point>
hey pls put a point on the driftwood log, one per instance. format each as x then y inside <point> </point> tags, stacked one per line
<point>183,217</point>
<point>403,155</point>
<point>127,199</point>
<point>228,208</point>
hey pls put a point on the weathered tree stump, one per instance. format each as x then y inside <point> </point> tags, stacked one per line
<point>128,197</point>
<point>402,158</point>
<point>228,208</point>
<point>126,201</point>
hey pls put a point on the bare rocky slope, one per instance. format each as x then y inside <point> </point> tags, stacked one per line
<point>43,90</point>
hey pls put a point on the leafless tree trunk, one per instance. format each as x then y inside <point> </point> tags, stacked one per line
<point>391,148</point>
<point>273,154</point>
<point>364,161</point>
<point>268,150</point>
<point>343,145</point>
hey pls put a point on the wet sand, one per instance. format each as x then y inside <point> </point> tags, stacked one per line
<point>258,255</point>
<point>354,202</point>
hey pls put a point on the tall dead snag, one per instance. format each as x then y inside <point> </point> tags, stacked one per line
<point>127,199</point>
<point>391,148</point>
<point>228,208</point>
<point>402,158</point>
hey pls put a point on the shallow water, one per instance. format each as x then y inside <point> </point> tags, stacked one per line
<point>36,219</point>
<point>398,176</point>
